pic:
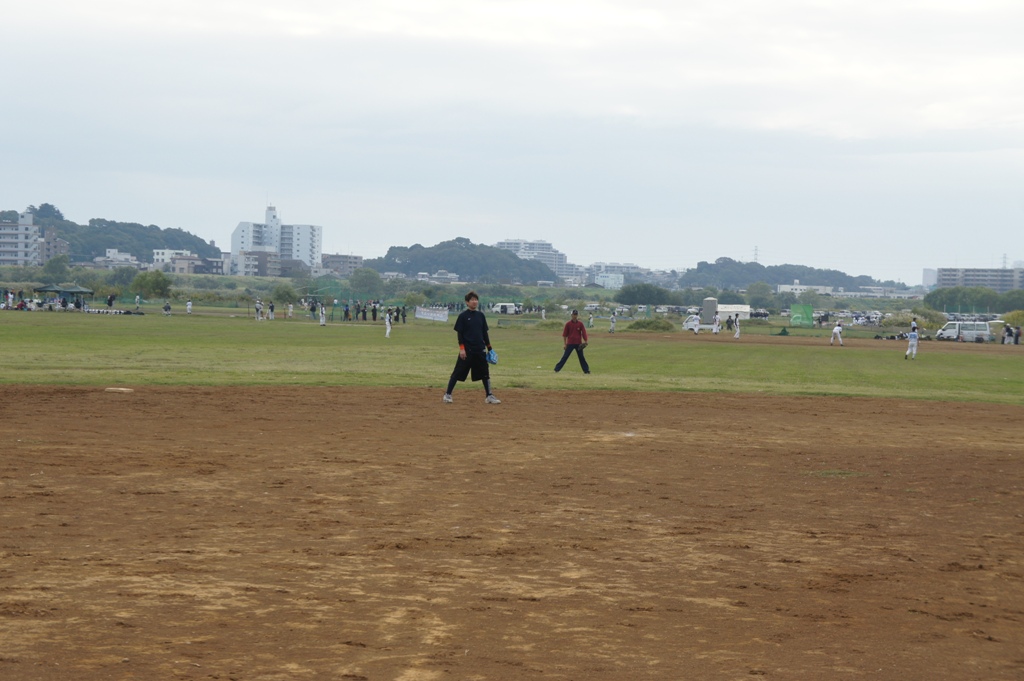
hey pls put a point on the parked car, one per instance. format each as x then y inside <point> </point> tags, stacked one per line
<point>970,332</point>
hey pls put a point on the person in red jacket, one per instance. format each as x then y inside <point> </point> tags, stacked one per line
<point>574,337</point>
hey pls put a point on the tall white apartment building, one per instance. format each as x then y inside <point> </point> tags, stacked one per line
<point>543,252</point>
<point>19,241</point>
<point>289,242</point>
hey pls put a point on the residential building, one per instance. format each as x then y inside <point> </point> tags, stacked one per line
<point>342,265</point>
<point>627,270</point>
<point>19,241</point>
<point>114,259</point>
<point>289,242</point>
<point>613,281</point>
<point>257,263</point>
<point>797,288</point>
<point>999,279</point>
<point>163,256</point>
<point>53,245</point>
<point>544,252</point>
<point>194,264</point>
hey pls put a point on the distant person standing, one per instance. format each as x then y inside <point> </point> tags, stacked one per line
<point>291,310</point>
<point>837,334</point>
<point>167,308</point>
<point>403,314</point>
<point>270,310</point>
<point>716,324</point>
<point>728,323</point>
<point>188,306</point>
<point>736,325</point>
<point>387,324</point>
<point>474,342</point>
<point>323,315</point>
<point>574,339</point>
<point>590,321</point>
<point>137,299</point>
<point>911,344</point>
<point>611,324</point>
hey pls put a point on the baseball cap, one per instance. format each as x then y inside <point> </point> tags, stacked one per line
<point>575,312</point>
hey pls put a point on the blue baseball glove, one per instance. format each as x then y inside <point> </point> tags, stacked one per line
<point>492,356</point>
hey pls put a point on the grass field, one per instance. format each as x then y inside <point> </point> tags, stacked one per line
<point>221,348</point>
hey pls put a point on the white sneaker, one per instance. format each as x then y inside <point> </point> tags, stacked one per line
<point>491,399</point>
<point>447,399</point>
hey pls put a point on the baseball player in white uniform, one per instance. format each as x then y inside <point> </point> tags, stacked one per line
<point>716,324</point>
<point>387,324</point>
<point>837,334</point>
<point>911,344</point>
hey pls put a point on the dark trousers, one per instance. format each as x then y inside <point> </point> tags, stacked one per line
<point>579,353</point>
<point>474,366</point>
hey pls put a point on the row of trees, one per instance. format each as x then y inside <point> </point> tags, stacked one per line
<point>93,239</point>
<point>758,295</point>
<point>726,273</point>
<point>972,299</point>
<point>472,262</point>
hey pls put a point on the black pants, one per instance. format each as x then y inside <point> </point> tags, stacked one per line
<point>579,353</point>
<point>474,366</point>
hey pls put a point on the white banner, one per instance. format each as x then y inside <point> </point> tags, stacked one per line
<point>434,314</point>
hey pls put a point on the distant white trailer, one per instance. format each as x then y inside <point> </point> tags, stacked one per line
<point>726,311</point>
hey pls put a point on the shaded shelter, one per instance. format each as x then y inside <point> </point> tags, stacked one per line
<point>78,292</point>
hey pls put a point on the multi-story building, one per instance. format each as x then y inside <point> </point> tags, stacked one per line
<point>613,281</point>
<point>53,246</point>
<point>797,288</point>
<point>627,270</point>
<point>289,242</point>
<point>257,263</point>
<point>19,241</point>
<point>544,252</point>
<point>163,256</point>
<point>1000,280</point>
<point>194,264</point>
<point>342,265</point>
<point>114,259</point>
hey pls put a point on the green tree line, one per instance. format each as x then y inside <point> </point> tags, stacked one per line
<point>471,262</point>
<point>93,239</point>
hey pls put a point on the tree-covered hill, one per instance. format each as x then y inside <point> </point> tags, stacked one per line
<point>92,240</point>
<point>472,262</point>
<point>726,273</point>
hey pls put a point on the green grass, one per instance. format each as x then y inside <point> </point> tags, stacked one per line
<point>227,348</point>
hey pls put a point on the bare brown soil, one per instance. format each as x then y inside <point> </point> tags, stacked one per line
<point>378,534</point>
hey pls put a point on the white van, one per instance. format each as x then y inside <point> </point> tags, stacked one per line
<point>592,307</point>
<point>505,308</point>
<point>970,332</point>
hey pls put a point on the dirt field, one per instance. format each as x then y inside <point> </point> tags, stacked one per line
<point>378,534</point>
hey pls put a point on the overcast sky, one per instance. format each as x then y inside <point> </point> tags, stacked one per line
<point>877,137</point>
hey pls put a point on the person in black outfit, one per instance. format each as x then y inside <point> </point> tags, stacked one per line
<point>471,326</point>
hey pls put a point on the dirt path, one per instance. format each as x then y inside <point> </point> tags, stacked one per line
<point>378,534</point>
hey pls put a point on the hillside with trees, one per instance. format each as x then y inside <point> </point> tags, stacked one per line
<point>726,273</point>
<point>93,239</point>
<point>472,262</point>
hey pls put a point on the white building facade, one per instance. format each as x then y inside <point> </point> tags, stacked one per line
<point>544,252</point>
<point>19,241</point>
<point>289,242</point>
